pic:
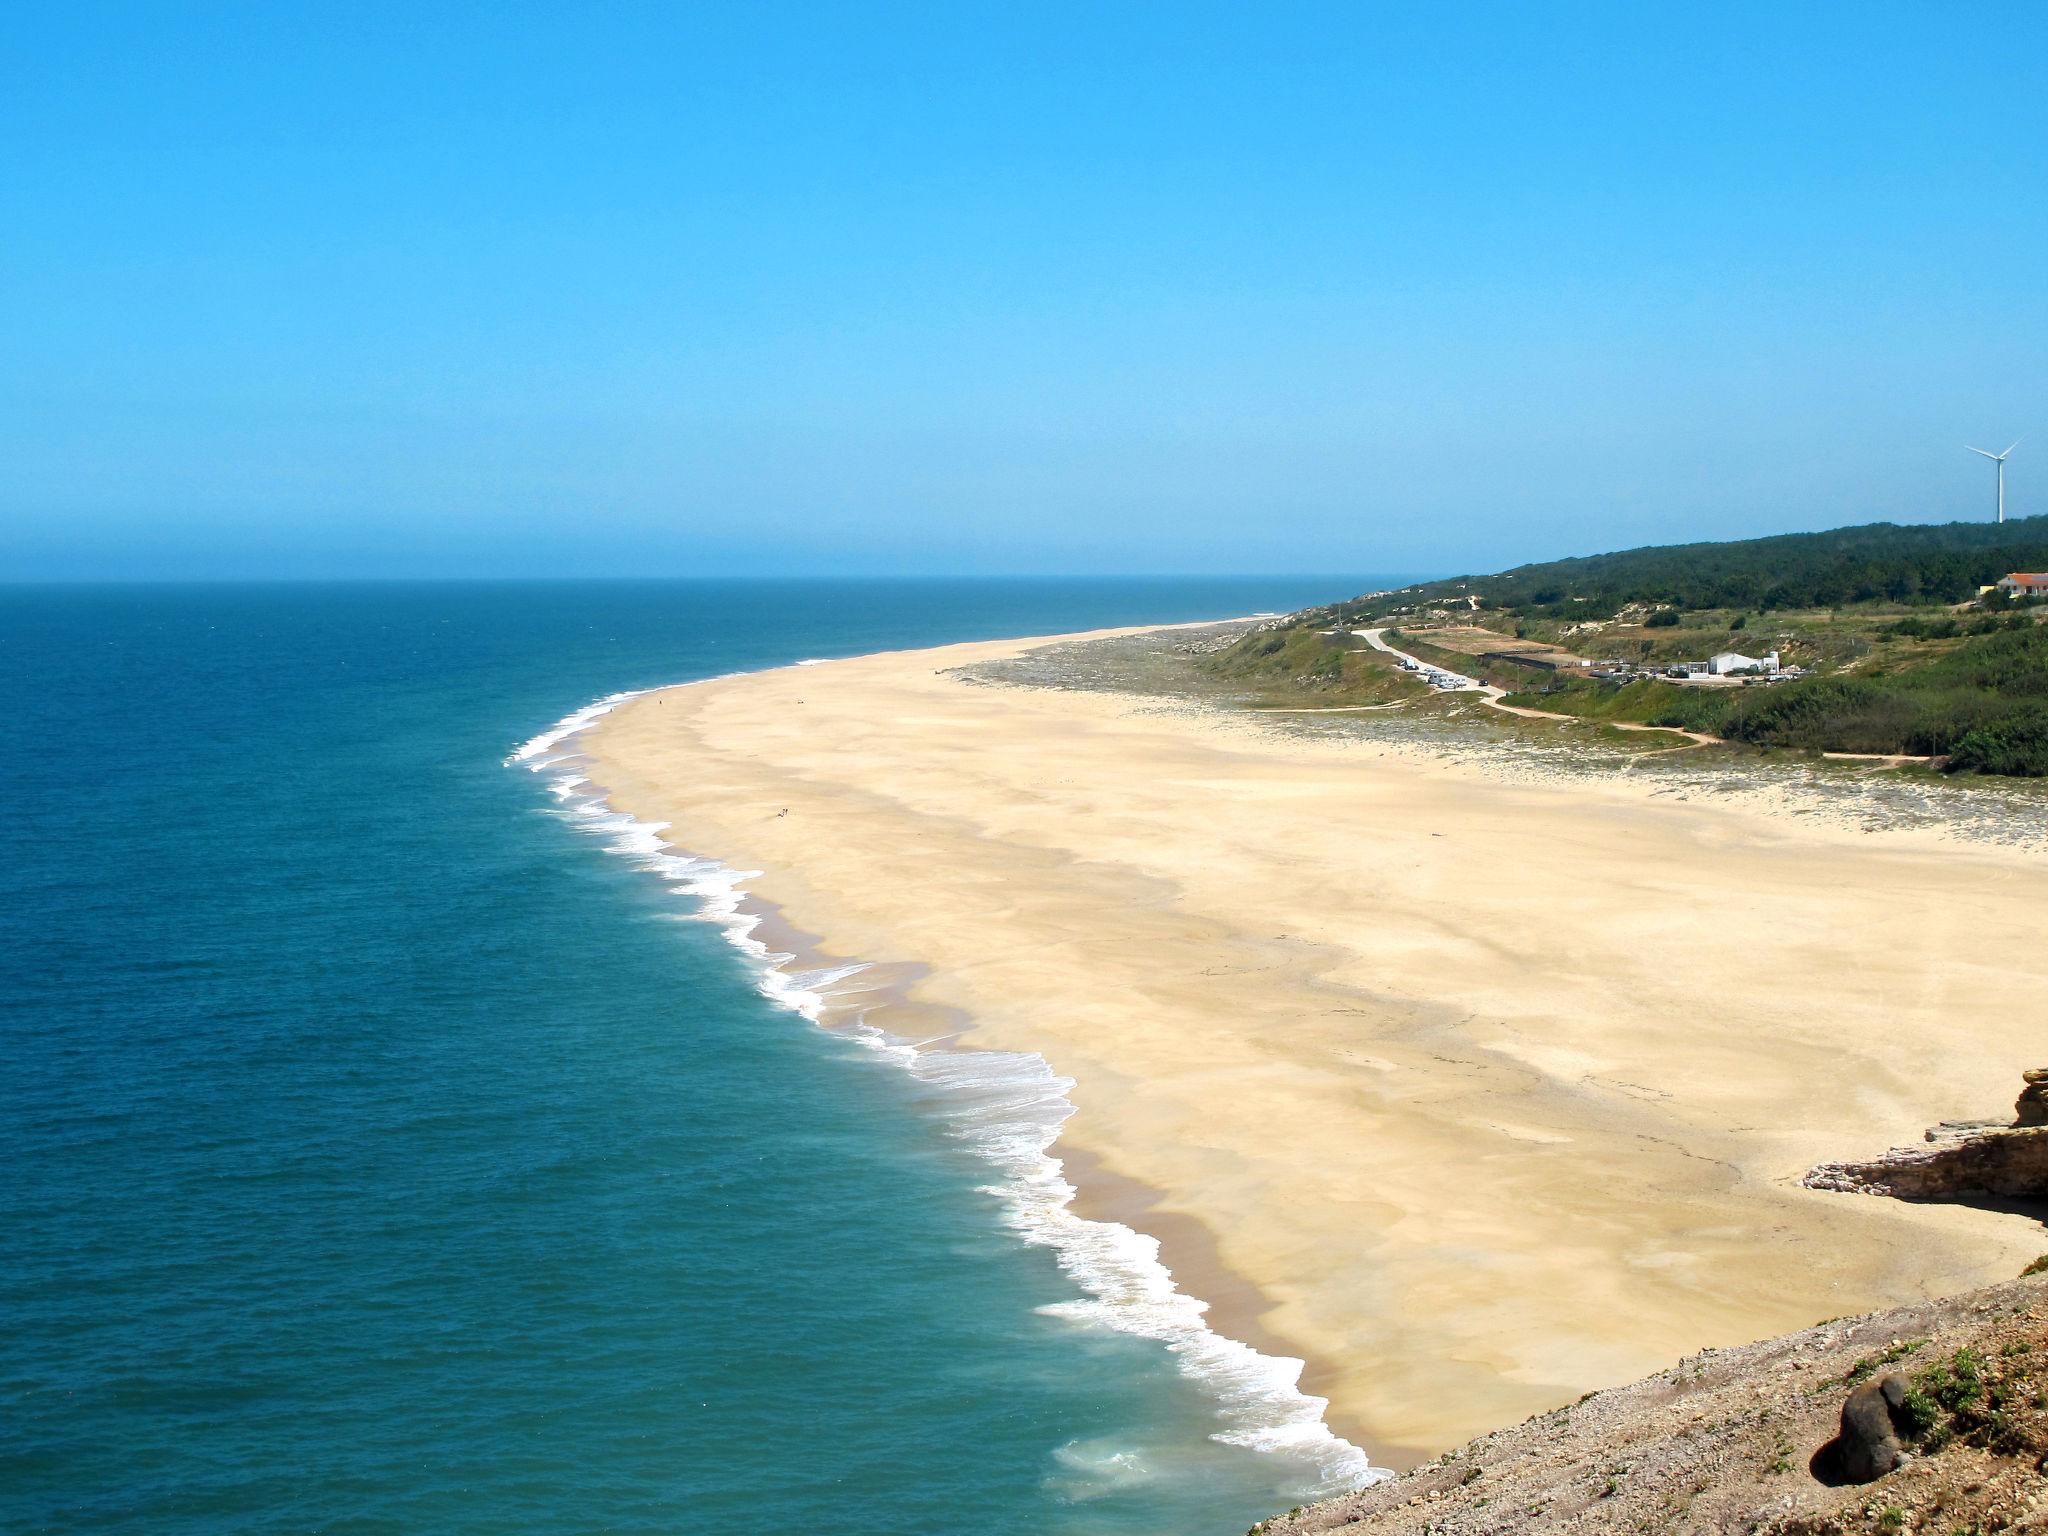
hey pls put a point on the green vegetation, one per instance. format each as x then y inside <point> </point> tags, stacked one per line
<point>1890,674</point>
<point>1970,1399</point>
<point>1301,659</point>
<point>1869,1365</point>
<point>1918,1413</point>
<point>1878,562</point>
<point>2016,744</point>
<point>1646,701</point>
<point>1985,702</point>
<point>1982,702</point>
<point>1949,627</point>
<point>1422,649</point>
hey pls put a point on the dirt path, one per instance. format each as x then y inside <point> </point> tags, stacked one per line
<point>1495,695</point>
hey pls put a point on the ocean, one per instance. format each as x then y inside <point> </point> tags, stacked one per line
<point>396,1140</point>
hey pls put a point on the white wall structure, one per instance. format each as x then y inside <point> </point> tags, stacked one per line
<point>1735,661</point>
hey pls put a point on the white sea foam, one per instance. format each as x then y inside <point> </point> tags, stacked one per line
<point>1008,1107</point>
<point>569,725</point>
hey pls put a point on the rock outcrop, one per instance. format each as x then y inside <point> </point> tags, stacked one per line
<point>1962,1158</point>
<point>2033,1104</point>
<point>2007,1164</point>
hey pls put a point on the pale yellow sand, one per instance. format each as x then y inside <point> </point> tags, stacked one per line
<point>1486,1093</point>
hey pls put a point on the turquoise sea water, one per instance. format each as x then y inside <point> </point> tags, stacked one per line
<point>383,1154</point>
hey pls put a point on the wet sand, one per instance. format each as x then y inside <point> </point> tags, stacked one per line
<point>1477,1094</point>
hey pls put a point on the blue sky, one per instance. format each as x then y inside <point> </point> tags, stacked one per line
<point>431,290</point>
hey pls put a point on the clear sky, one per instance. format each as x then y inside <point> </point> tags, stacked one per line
<point>430,289</point>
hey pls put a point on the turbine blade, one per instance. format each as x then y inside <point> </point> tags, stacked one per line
<point>1986,455</point>
<point>2015,443</point>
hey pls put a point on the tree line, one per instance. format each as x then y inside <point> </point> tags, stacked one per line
<point>1888,562</point>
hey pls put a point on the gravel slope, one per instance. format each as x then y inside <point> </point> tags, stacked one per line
<point>1721,1442</point>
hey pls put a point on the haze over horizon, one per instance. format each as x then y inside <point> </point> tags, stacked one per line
<point>900,290</point>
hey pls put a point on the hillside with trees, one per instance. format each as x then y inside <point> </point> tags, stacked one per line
<point>1904,650</point>
<point>1877,562</point>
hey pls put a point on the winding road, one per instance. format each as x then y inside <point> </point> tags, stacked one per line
<point>1494,695</point>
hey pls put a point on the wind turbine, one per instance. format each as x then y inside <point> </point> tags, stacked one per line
<point>1998,459</point>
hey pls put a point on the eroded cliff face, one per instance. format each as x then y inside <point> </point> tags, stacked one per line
<point>1962,1158</point>
<point>1750,1440</point>
<point>2009,1164</point>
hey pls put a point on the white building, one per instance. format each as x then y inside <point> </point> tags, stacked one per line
<point>1734,661</point>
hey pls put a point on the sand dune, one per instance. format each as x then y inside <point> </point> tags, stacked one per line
<point>1476,1094</point>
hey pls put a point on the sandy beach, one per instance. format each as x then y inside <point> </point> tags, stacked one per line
<point>1476,1094</point>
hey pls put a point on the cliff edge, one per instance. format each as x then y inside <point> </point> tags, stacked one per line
<point>1750,1440</point>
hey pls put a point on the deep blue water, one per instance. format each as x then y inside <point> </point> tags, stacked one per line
<point>378,1155</point>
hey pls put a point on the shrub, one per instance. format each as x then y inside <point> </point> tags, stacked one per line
<point>1918,1413</point>
<point>1954,1383</point>
<point>1663,618</point>
<point>2017,744</point>
<point>1984,703</point>
<point>1695,709</point>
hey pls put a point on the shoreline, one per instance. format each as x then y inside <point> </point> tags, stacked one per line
<point>1234,1307</point>
<point>765,753</point>
<point>1192,1255</point>
<point>845,996</point>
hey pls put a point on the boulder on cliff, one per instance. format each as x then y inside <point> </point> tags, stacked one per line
<point>1868,1445</point>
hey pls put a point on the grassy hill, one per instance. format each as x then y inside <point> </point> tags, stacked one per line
<point>1907,657</point>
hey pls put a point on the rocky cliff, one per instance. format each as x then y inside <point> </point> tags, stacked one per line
<point>1962,1158</point>
<point>1949,1419</point>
